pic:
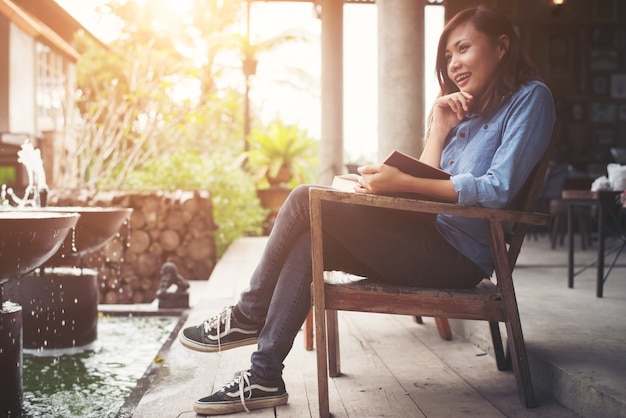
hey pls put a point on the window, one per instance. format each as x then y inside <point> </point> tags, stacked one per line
<point>51,90</point>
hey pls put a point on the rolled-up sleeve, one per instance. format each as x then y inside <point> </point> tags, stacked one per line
<point>465,187</point>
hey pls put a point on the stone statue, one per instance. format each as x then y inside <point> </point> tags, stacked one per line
<point>172,299</point>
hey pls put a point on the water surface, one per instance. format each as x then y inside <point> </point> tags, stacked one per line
<point>93,382</point>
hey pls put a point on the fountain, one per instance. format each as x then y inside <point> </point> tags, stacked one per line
<point>27,239</point>
<point>30,238</point>
<point>59,299</point>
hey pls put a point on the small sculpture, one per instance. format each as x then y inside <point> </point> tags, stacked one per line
<point>178,298</point>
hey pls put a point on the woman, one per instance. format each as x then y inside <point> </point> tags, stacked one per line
<point>489,128</point>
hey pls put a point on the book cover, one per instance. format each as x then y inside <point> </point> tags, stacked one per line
<point>415,167</point>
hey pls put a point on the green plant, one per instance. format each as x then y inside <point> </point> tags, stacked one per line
<point>282,147</point>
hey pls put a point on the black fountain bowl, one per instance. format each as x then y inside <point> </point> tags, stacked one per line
<point>29,238</point>
<point>96,227</point>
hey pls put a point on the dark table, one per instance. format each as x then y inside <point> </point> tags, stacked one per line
<point>608,206</point>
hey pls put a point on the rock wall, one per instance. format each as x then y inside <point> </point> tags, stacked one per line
<point>175,226</point>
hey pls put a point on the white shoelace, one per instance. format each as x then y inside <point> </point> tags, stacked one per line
<point>241,379</point>
<point>216,322</point>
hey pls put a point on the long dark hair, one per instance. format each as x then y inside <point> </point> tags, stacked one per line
<point>514,69</point>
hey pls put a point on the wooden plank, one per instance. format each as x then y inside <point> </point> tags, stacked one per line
<point>184,377</point>
<point>232,274</point>
<point>367,387</point>
<point>477,369</point>
<point>435,389</point>
<point>300,375</point>
<point>410,301</point>
<point>426,206</point>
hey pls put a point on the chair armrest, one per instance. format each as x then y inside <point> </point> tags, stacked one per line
<point>427,206</point>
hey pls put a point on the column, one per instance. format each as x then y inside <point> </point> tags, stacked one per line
<point>331,146</point>
<point>400,76</point>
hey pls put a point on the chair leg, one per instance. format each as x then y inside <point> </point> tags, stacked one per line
<point>322,360</point>
<point>556,231</point>
<point>308,332</point>
<point>332,334</point>
<point>443,327</point>
<point>327,343</point>
<point>519,358</point>
<point>519,355</point>
<point>503,361</point>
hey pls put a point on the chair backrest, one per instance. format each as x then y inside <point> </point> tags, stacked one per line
<point>556,174</point>
<point>528,197</point>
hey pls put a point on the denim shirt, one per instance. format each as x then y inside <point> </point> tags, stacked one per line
<point>490,158</point>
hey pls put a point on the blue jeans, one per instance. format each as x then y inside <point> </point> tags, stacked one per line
<point>380,244</point>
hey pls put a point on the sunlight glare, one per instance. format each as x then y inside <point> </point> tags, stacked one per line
<point>182,5</point>
<point>178,5</point>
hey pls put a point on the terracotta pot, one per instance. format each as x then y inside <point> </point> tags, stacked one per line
<point>249,66</point>
<point>283,177</point>
<point>273,197</point>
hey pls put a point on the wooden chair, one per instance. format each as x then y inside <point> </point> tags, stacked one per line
<point>488,301</point>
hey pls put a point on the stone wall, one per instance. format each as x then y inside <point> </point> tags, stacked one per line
<point>175,226</point>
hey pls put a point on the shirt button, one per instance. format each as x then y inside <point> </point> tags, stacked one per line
<point>462,134</point>
<point>451,162</point>
<point>485,126</point>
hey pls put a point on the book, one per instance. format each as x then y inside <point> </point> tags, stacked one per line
<point>345,182</point>
<point>403,162</point>
<point>415,167</point>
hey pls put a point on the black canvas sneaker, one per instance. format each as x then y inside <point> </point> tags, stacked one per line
<point>244,392</point>
<point>220,332</point>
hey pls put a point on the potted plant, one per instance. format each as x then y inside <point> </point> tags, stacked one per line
<point>283,156</point>
<point>280,158</point>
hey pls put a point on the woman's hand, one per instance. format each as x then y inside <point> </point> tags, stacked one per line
<point>449,110</point>
<point>379,179</point>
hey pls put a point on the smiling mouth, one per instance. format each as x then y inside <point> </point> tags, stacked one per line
<point>459,78</point>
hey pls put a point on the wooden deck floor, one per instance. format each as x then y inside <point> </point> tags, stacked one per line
<point>392,366</point>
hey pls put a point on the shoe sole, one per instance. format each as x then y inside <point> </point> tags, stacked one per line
<point>205,348</point>
<point>215,408</point>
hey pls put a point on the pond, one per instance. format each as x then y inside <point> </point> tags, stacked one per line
<point>95,380</point>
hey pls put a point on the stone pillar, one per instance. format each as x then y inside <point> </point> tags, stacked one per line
<point>400,76</point>
<point>331,146</point>
<point>11,392</point>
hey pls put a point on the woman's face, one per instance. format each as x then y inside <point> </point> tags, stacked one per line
<point>472,58</point>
